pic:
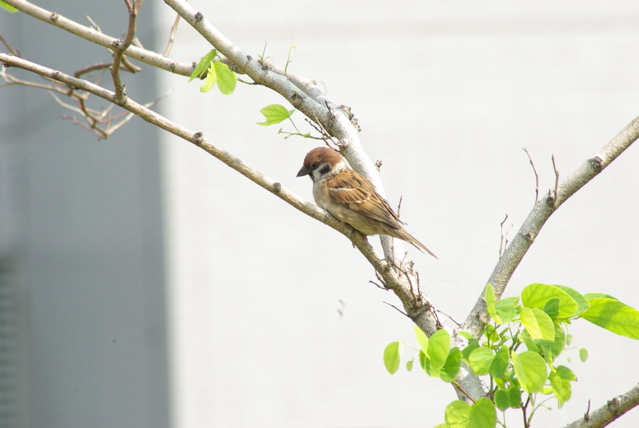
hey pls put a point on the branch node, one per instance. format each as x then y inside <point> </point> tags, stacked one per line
<point>199,16</point>
<point>528,236</point>
<point>277,187</point>
<point>596,162</point>
<point>197,139</point>
<point>54,17</point>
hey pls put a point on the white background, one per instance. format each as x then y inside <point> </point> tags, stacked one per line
<point>447,95</point>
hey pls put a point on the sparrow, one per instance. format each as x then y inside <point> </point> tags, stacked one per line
<point>351,198</point>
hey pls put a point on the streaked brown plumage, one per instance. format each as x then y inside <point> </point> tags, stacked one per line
<point>351,198</point>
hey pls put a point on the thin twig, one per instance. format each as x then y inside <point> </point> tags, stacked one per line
<point>536,175</point>
<point>121,46</point>
<point>174,28</point>
<point>14,52</point>
<point>554,167</point>
<point>397,309</point>
<point>503,242</point>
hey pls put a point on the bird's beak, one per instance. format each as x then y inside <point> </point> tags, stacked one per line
<point>304,171</point>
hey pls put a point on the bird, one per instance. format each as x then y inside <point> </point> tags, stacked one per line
<point>352,198</point>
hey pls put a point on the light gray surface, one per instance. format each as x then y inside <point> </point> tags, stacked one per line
<point>82,248</point>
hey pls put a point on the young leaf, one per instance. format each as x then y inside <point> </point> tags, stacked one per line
<point>500,363</point>
<point>481,360</point>
<point>275,113</point>
<point>209,81</point>
<point>450,370</point>
<point>537,295</point>
<point>514,396</point>
<point>582,302</point>
<point>422,339</point>
<point>537,323</point>
<point>501,400</point>
<point>8,7</point>
<point>203,65</point>
<point>438,348</point>
<point>392,357</point>
<point>531,371</point>
<point>226,79</point>
<point>613,315</point>
<point>489,297</point>
<point>457,414</point>
<point>508,309</point>
<point>560,383</point>
<point>583,354</point>
<point>481,414</point>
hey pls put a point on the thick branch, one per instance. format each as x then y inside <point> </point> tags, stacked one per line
<point>148,57</point>
<point>542,210</point>
<point>610,411</point>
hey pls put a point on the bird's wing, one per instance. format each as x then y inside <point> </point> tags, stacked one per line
<point>351,190</point>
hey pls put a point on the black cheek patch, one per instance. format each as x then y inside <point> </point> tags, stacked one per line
<point>325,169</point>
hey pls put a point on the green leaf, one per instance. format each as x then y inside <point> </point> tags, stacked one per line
<point>500,363</point>
<point>472,345</point>
<point>538,295</point>
<point>203,65</point>
<point>514,396</point>
<point>275,113</point>
<point>613,315</point>
<point>560,383</point>
<point>537,323</point>
<point>481,360</point>
<point>531,371</point>
<point>582,302</point>
<point>583,354</point>
<point>392,355</point>
<point>530,344</point>
<point>466,335</point>
<point>489,297</point>
<point>210,80</point>
<point>552,308</point>
<point>457,414</point>
<point>450,370</point>
<point>490,332</point>
<point>438,348</point>
<point>590,296</point>
<point>566,373</point>
<point>409,365</point>
<point>8,7</point>
<point>422,339</point>
<point>501,400</point>
<point>508,309</point>
<point>481,414</point>
<point>226,79</point>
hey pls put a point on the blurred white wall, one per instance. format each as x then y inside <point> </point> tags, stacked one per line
<point>447,95</point>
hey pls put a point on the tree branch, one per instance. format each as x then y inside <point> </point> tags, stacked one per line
<point>304,95</point>
<point>417,308</point>
<point>87,33</point>
<point>610,411</point>
<point>542,210</point>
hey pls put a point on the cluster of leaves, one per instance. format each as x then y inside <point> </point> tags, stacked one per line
<point>517,351</point>
<point>213,71</point>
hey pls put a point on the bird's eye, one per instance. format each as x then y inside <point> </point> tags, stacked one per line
<point>314,165</point>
